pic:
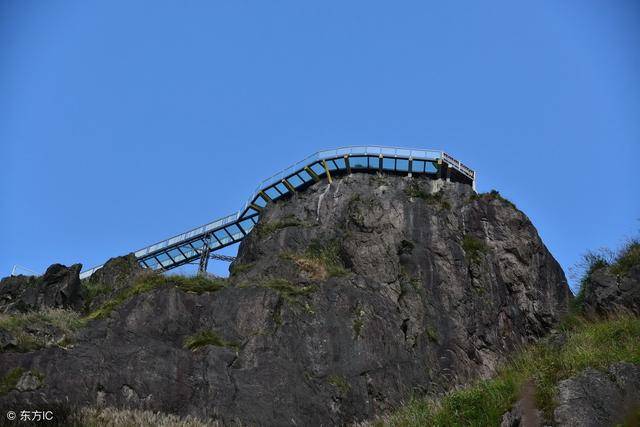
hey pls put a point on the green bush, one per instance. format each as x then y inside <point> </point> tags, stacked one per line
<point>208,337</point>
<point>473,247</point>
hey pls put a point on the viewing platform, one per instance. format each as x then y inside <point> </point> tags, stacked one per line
<point>200,244</point>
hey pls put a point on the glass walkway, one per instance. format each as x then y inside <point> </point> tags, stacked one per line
<point>192,245</point>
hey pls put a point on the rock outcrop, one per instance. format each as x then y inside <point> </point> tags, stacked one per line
<point>346,299</point>
<point>59,287</point>
<point>607,293</point>
<point>595,398</point>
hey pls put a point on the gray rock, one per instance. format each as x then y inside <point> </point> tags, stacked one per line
<point>351,298</point>
<point>7,340</point>
<point>28,382</point>
<point>59,287</point>
<point>116,275</point>
<point>605,293</point>
<point>595,398</point>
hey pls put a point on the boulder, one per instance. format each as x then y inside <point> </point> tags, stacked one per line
<point>596,398</point>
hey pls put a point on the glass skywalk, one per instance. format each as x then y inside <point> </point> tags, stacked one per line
<point>189,246</point>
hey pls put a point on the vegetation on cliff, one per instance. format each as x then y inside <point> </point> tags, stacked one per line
<point>596,344</point>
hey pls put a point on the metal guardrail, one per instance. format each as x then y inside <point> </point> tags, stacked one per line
<point>183,247</point>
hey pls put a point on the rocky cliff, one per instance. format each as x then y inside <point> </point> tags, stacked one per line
<point>344,301</point>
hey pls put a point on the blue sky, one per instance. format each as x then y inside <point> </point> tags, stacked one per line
<point>122,123</point>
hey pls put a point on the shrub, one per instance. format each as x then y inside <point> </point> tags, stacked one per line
<point>207,337</point>
<point>473,247</point>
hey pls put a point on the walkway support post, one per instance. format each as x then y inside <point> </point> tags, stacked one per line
<point>204,256</point>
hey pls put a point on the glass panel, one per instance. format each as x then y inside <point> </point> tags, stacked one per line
<point>317,168</point>
<point>431,167</point>
<point>233,229</point>
<point>223,237</point>
<point>374,162</point>
<point>151,262</point>
<point>389,164</point>
<point>417,166</point>
<point>250,211</point>
<point>340,163</point>
<point>402,165</point>
<point>282,188</point>
<point>271,192</point>
<point>199,243</point>
<point>331,165</point>
<point>246,225</point>
<point>188,251</point>
<point>260,201</point>
<point>306,177</point>
<point>176,255</point>
<point>358,162</point>
<point>295,181</point>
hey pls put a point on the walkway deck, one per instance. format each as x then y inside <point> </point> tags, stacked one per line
<point>189,246</point>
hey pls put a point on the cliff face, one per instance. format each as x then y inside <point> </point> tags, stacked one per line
<point>345,300</point>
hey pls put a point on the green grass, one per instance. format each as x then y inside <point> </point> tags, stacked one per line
<point>95,290</point>
<point>287,289</point>
<point>589,344</point>
<point>149,282</point>
<point>321,259</point>
<point>473,247</point>
<point>197,284</point>
<point>339,382</point>
<point>268,228</point>
<point>327,253</point>
<point>204,338</point>
<point>66,321</point>
<point>627,257</point>
<point>236,269</point>
<point>9,381</point>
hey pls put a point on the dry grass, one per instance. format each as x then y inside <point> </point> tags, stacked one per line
<point>112,417</point>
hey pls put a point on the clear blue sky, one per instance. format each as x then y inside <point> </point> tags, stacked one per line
<point>125,122</point>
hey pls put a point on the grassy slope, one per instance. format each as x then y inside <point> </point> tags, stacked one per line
<point>597,344</point>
